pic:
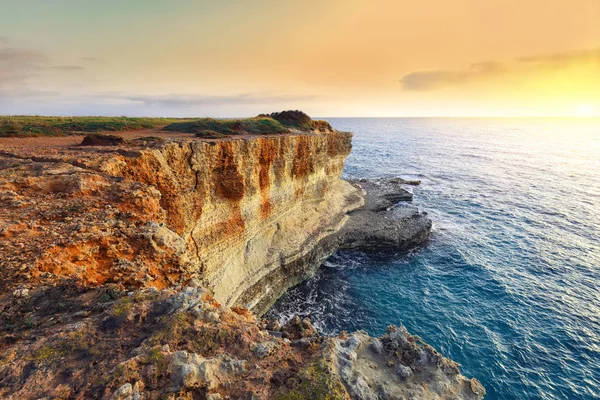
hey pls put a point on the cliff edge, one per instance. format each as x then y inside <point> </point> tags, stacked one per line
<point>131,268</point>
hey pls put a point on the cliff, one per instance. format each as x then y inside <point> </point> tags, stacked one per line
<point>136,264</point>
<point>244,216</point>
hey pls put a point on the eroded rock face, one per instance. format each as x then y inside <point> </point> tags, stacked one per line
<point>252,212</point>
<point>246,217</point>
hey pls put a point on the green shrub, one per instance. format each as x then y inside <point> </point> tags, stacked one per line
<point>294,119</point>
<point>208,127</point>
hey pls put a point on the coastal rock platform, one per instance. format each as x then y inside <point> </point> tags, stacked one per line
<point>386,221</point>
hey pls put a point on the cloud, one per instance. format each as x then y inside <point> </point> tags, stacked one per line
<point>90,59</point>
<point>67,68</point>
<point>182,101</point>
<point>26,94</point>
<point>17,65</point>
<point>482,71</point>
<point>21,56</point>
<point>434,80</point>
<point>565,58</point>
<point>4,41</point>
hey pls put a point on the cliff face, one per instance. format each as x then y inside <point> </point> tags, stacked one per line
<point>249,211</point>
<point>244,216</point>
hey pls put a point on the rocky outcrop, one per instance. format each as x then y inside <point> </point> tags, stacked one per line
<point>245,216</point>
<point>135,271</point>
<point>385,221</point>
<point>249,217</point>
<point>102,343</point>
<point>399,365</point>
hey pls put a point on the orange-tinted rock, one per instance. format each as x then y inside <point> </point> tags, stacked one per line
<point>231,207</point>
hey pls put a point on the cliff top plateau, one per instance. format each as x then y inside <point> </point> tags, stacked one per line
<point>264,124</point>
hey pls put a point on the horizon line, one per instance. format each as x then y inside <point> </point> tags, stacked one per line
<point>322,117</point>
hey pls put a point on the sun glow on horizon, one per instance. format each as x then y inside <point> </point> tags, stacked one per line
<point>587,110</point>
<point>467,58</point>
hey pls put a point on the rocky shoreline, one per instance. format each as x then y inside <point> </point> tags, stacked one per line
<point>137,271</point>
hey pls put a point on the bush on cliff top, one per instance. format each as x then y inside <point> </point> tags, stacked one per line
<point>295,119</point>
<point>263,124</point>
<point>299,120</point>
<point>202,127</point>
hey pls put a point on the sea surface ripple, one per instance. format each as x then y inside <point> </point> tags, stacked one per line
<point>509,283</point>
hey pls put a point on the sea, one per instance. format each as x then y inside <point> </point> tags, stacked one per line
<point>509,283</point>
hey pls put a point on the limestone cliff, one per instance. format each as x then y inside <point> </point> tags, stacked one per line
<point>128,270</point>
<point>251,212</point>
<point>245,216</point>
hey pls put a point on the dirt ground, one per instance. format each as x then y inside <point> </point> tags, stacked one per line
<point>8,143</point>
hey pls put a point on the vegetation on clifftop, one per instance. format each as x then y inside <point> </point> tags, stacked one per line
<point>209,127</point>
<point>264,124</point>
<point>22,126</point>
<point>299,120</point>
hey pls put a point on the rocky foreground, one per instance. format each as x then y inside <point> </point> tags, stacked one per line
<point>136,269</point>
<point>71,342</point>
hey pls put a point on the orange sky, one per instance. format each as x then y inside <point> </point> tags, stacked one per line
<point>328,57</point>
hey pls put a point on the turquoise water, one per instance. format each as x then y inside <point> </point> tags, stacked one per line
<point>509,283</point>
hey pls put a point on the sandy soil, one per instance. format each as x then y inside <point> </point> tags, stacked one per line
<point>9,144</point>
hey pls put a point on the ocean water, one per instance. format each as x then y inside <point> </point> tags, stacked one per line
<point>509,283</point>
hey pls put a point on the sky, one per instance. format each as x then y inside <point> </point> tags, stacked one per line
<point>346,58</point>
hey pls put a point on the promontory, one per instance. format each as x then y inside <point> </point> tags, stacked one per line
<point>137,257</point>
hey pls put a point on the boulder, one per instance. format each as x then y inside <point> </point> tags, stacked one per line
<point>97,139</point>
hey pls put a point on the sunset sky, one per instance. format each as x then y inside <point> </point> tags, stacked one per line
<point>326,57</point>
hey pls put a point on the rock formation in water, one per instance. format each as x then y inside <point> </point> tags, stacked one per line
<point>132,271</point>
<point>382,223</point>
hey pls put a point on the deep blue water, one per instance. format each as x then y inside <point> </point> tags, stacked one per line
<point>509,283</point>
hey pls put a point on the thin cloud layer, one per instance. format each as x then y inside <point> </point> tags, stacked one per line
<point>182,101</point>
<point>483,71</point>
<point>67,68</point>
<point>16,65</point>
<point>21,56</point>
<point>564,58</point>
<point>19,65</point>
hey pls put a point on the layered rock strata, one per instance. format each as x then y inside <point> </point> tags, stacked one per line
<point>124,270</point>
<point>244,216</point>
